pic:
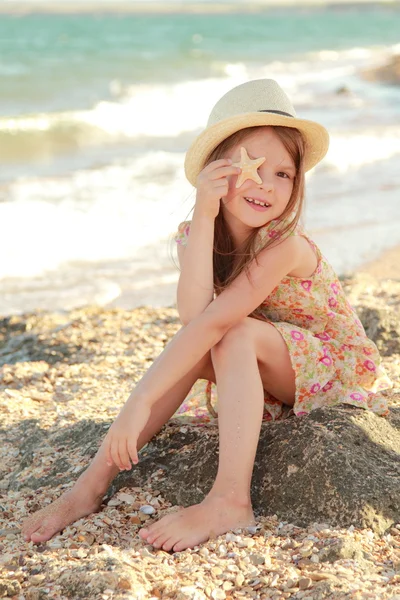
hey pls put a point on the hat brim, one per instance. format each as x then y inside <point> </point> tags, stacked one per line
<point>315,136</point>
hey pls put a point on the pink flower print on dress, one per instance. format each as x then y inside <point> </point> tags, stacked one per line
<point>332,302</point>
<point>326,360</point>
<point>323,336</point>
<point>328,386</point>
<point>296,335</point>
<point>370,365</point>
<point>345,347</point>
<point>315,388</point>
<point>306,285</point>
<point>368,351</point>
<point>335,288</point>
<point>357,396</point>
<point>274,234</point>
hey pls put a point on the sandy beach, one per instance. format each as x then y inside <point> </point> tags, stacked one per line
<point>72,371</point>
<point>387,266</point>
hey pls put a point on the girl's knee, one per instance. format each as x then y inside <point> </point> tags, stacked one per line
<point>241,334</point>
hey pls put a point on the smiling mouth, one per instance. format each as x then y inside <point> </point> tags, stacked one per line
<point>257,203</point>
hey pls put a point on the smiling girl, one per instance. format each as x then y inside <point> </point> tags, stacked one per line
<point>264,317</point>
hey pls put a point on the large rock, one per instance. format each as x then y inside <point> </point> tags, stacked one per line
<point>389,73</point>
<point>337,465</point>
<point>382,325</point>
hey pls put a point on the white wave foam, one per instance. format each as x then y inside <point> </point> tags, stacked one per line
<point>94,215</point>
<point>159,110</point>
<point>354,149</point>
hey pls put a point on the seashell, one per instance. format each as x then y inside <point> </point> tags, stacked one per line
<point>147,509</point>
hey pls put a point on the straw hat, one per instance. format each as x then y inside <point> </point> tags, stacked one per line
<point>258,102</point>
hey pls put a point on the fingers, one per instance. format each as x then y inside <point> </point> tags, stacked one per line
<point>124,455</point>
<point>133,452</point>
<point>220,168</point>
<point>121,452</point>
<point>222,172</point>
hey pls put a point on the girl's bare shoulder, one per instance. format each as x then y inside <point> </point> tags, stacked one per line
<point>307,257</point>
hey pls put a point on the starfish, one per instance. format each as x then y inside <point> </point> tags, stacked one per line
<point>249,168</point>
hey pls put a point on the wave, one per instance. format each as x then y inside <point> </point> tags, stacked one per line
<point>168,111</point>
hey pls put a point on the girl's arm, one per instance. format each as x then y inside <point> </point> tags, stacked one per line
<point>196,282</point>
<point>195,286</point>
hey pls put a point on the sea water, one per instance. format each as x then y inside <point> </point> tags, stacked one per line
<point>97,111</point>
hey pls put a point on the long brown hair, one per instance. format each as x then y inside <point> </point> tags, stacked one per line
<point>224,253</point>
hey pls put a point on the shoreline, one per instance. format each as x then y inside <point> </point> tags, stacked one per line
<point>21,8</point>
<point>162,294</point>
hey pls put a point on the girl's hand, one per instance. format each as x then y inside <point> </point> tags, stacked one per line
<point>212,185</point>
<point>121,440</point>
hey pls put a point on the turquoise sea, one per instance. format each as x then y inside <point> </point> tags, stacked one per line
<point>97,110</point>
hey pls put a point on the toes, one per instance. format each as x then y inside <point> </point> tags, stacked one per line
<point>153,531</point>
<point>159,538</point>
<point>149,533</point>
<point>41,535</point>
<point>28,529</point>
<point>144,533</point>
<point>167,545</point>
<point>179,546</point>
<point>183,544</point>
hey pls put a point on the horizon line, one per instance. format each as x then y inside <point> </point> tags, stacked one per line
<point>21,7</point>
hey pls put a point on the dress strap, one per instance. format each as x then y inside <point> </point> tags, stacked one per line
<point>300,231</point>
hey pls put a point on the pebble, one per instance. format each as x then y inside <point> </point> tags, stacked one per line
<point>147,509</point>
<point>222,550</point>
<point>37,579</point>
<point>218,594</point>
<point>128,498</point>
<point>239,579</point>
<point>257,559</point>
<point>305,583</point>
<point>274,580</point>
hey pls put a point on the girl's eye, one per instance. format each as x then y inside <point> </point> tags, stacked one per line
<point>285,175</point>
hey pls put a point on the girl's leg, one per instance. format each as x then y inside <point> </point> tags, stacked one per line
<point>250,357</point>
<point>86,495</point>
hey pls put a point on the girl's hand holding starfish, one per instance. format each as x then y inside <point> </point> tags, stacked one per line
<point>120,443</point>
<point>212,185</point>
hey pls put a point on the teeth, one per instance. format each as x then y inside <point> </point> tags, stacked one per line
<point>257,202</point>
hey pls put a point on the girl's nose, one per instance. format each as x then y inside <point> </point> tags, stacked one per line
<point>266,183</point>
<point>266,179</point>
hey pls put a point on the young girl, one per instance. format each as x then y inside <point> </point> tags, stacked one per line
<point>264,317</point>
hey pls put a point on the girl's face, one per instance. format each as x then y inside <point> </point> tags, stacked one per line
<point>277,174</point>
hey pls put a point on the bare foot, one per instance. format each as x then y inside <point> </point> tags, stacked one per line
<point>51,519</point>
<point>191,526</point>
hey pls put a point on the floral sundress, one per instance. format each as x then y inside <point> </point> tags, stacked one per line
<point>333,359</point>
